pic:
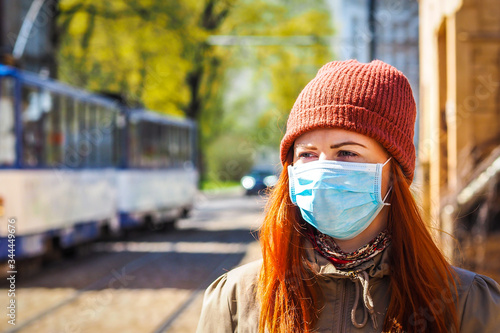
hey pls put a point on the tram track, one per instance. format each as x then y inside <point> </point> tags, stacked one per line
<point>135,265</point>
<point>129,269</point>
<point>170,320</point>
<point>160,274</point>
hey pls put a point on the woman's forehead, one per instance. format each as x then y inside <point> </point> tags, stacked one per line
<point>332,136</point>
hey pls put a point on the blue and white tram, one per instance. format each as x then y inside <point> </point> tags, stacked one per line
<point>74,165</point>
<point>158,184</point>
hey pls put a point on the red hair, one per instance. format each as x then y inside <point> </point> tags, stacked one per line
<point>422,281</point>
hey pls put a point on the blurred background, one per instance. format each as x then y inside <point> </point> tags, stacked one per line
<point>138,139</point>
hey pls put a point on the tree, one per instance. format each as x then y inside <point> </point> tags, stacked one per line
<point>159,54</point>
<point>278,49</point>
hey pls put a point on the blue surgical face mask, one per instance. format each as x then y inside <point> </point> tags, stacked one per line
<point>339,199</point>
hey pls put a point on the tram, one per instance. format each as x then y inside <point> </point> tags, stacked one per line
<point>76,165</point>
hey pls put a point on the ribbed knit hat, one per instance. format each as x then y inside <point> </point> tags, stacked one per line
<point>374,99</point>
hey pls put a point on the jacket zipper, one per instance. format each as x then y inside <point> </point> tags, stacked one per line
<point>352,275</point>
<point>343,306</point>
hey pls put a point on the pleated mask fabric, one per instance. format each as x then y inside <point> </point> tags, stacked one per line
<point>339,199</point>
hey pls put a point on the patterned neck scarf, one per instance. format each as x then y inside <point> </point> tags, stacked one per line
<point>327,247</point>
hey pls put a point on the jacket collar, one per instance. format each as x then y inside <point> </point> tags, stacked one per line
<point>377,267</point>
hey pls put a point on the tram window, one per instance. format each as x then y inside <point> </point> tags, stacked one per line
<point>149,151</point>
<point>103,135</point>
<point>163,151</point>
<point>190,149</point>
<point>134,143</point>
<point>187,145</point>
<point>179,145</point>
<point>100,140</point>
<point>138,138</point>
<point>105,121</point>
<point>182,145</point>
<point>71,157</point>
<point>174,145</point>
<point>140,143</point>
<point>113,118</point>
<point>118,138</point>
<point>143,140</point>
<point>166,142</point>
<point>149,144</point>
<point>7,121</point>
<point>63,129</point>
<point>32,117</point>
<point>157,144</point>
<point>178,131</point>
<point>82,145</point>
<point>185,152</point>
<point>48,124</point>
<point>86,145</point>
<point>63,107</point>
<point>92,136</point>
<point>51,106</point>
<point>110,119</point>
<point>171,150</point>
<point>152,145</point>
<point>193,145</point>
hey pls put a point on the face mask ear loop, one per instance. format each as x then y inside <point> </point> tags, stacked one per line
<point>386,195</point>
<point>390,189</point>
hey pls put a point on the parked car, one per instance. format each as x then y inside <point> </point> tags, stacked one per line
<point>258,180</point>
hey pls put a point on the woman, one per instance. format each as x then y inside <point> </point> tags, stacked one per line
<point>344,246</point>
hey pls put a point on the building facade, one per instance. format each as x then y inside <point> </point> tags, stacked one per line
<point>379,29</point>
<point>459,146</point>
<point>395,38</point>
<point>352,31</point>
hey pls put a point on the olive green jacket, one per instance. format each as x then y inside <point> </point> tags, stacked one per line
<point>230,304</point>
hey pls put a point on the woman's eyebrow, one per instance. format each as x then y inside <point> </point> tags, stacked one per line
<point>346,143</point>
<point>306,146</point>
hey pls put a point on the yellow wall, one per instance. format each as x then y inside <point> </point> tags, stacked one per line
<point>460,101</point>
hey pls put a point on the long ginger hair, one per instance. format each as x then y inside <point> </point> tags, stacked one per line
<point>422,287</point>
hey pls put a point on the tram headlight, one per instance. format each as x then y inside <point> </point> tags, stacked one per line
<point>248,182</point>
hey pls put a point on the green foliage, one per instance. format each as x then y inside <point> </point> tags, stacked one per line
<point>208,185</point>
<point>281,70</point>
<point>156,53</point>
<point>137,52</point>
<point>228,158</point>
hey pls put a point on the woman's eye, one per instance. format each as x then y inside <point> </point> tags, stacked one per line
<point>306,155</point>
<point>345,153</point>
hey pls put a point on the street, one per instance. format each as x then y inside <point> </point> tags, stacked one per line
<point>150,281</point>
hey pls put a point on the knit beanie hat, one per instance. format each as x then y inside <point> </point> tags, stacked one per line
<point>374,99</point>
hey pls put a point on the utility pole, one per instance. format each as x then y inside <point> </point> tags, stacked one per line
<point>26,27</point>
<point>2,51</point>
